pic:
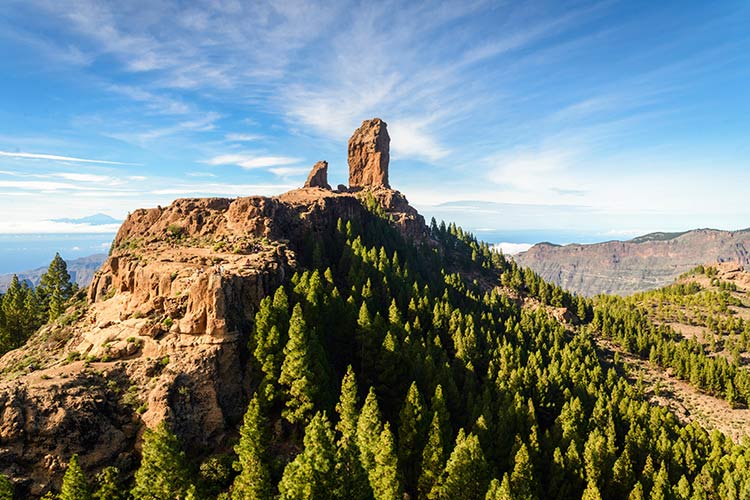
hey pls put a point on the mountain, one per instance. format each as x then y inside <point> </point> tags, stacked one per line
<point>81,271</point>
<point>93,220</point>
<point>643,263</point>
<point>329,344</point>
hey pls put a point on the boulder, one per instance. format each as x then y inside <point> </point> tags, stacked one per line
<point>369,154</point>
<point>318,176</point>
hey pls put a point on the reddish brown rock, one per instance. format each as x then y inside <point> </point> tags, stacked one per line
<point>369,154</point>
<point>318,176</point>
<point>163,336</point>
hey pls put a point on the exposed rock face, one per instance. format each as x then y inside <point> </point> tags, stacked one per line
<point>369,154</point>
<point>164,334</point>
<point>644,263</point>
<point>318,176</point>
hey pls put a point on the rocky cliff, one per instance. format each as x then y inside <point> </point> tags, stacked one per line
<point>644,263</point>
<point>161,333</point>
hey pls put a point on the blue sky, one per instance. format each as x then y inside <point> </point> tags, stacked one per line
<point>597,119</point>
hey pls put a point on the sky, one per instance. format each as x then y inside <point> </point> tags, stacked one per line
<point>521,121</point>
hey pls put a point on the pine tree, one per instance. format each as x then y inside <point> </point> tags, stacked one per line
<point>271,320</point>
<point>384,477</point>
<point>377,450</point>
<point>311,475</point>
<point>637,492</point>
<point>466,473</point>
<point>353,482</point>
<point>74,485</point>
<point>410,435</point>
<point>253,479</point>
<point>298,372</point>
<point>7,490</point>
<point>591,492</point>
<point>108,485</point>
<point>55,288</point>
<point>18,319</point>
<point>163,473</point>
<point>682,489</point>
<point>499,490</point>
<point>440,408</point>
<point>433,458</point>
<point>369,427</point>
<point>522,481</point>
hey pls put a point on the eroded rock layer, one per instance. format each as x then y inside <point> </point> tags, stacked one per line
<point>163,331</point>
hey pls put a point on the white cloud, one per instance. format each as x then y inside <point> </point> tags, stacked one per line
<point>157,103</point>
<point>242,137</point>
<point>413,140</point>
<point>289,171</point>
<point>50,227</point>
<point>204,123</point>
<point>252,162</point>
<point>71,176</point>
<point>512,248</point>
<point>44,156</point>
<point>224,190</point>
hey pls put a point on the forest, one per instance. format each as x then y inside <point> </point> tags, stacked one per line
<point>388,370</point>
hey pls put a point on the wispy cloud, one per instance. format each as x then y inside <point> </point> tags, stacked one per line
<point>203,123</point>
<point>289,171</point>
<point>533,102</point>
<point>251,161</point>
<point>242,137</point>
<point>158,103</point>
<point>219,189</point>
<point>72,176</point>
<point>51,157</point>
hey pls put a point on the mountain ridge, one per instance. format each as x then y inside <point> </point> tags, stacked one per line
<point>643,263</point>
<point>81,272</point>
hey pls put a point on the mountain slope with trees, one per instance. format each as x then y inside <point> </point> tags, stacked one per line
<point>327,344</point>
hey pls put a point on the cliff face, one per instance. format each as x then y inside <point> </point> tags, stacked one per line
<point>625,267</point>
<point>163,331</point>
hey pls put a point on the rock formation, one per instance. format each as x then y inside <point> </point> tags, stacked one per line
<point>369,155</point>
<point>644,263</point>
<point>318,176</point>
<point>161,333</point>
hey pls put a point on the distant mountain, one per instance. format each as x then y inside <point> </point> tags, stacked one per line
<point>81,271</point>
<point>93,220</point>
<point>643,263</point>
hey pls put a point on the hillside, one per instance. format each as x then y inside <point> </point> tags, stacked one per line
<point>81,271</point>
<point>644,263</point>
<point>707,310</point>
<point>330,344</point>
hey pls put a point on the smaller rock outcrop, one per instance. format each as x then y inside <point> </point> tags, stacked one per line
<point>318,176</point>
<point>369,154</point>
